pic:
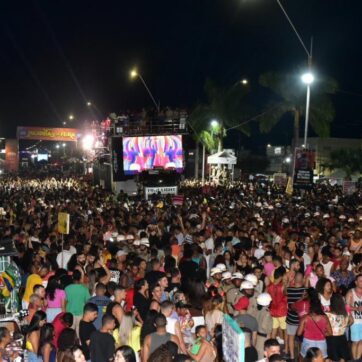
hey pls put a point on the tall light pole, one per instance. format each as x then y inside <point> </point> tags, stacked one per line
<point>307,78</point>
<point>134,74</point>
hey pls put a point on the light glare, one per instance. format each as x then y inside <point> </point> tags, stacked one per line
<point>308,78</point>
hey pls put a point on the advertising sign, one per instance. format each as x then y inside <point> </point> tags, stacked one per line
<point>304,163</point>
<point>171,190</point>
<point>63,223</point>
<point>349,187</point>
<point>280,179</point>
<point>233,341</point>
<point>11,155</point>
<point>48,134</point>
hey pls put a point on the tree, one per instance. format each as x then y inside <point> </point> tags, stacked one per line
<point>347,160</point>
<point>291,96</point>
<point>226,106</point>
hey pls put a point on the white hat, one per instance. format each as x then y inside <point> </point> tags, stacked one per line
<point>264,299</point>
<point>258,204</point>
<point>129,237</point>
<point>316,213</point>
<point>246,285</point>
<point>285,220</point>
<point>145,242</point>
<point>252,279</point>
<point>226,275</point>
<point>257,215</point>
<point>121,253</point>
<point>342,217</point>
<point>121,238</point>
<point>221,266</point>
<point>346,253</point>
<point>326,216</point>
<point>136,243</point>
<point>307,214</point>
<point>237,275</point>
<point>278,204</point>
<point>215,271</point>
<point>271,207</point>
<point>351,219</point>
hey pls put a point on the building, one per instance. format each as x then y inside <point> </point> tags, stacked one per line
<point>324,147</point>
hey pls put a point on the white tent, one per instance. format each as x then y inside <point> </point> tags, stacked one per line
<point>222,158</point>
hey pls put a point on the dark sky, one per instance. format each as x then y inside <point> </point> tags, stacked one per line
<point>56,55</point>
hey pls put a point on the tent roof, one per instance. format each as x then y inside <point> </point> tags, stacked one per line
<point>223,158</point>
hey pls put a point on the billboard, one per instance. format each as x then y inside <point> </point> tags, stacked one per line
<point>150,152</point>
<point>48,134</point>
<point>11,155</point>
<point>304,164</point>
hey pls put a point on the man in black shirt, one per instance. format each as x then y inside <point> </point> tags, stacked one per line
<point>86,327</point>
<point>102,344</point>
<point>141,301</point>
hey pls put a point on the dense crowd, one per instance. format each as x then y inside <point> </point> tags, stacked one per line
<point>138,280</point>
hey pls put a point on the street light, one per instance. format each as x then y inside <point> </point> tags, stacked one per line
<point>308,79</point>
<point>244,81</point>
<point>134,74</point>
<point>64,123</point>
<point>89,104</point>
<point>63,144</point>
<point>57,146</point>
<point>71,117</point>
<point>214,123</point>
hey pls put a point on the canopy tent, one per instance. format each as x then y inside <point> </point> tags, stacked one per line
<point>222,158</point>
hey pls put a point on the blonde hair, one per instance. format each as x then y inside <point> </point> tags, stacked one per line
<point>125,328</point>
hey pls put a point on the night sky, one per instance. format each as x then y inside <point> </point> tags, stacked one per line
<point>57,55</point>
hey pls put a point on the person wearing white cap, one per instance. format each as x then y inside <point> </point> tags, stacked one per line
<point>225,282</point>
<point>265,322</point>
<point>234,293</point>
<point>215,279</point>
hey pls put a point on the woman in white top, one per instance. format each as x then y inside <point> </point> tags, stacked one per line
<point>324,288</point>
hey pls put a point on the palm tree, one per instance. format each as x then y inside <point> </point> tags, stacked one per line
<point>347,160</point>
<point>224,105</point>
<point>291,100</point>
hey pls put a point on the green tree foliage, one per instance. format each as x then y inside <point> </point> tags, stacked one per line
<point>227,106</point>
<point>347,160</point>
<point>291,99</point>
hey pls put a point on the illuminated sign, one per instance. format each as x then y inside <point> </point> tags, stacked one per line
<point>48,134</point>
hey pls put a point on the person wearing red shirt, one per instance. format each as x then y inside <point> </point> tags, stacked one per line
<point>279,305</point>
<point>61,321</point>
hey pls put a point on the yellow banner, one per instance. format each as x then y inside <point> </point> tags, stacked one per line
<point>63,223</point>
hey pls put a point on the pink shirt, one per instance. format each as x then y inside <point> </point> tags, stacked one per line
<point>59,296</point>
<point>269,268</point>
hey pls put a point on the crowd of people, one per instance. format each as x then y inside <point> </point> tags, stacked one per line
<point>137,280</point>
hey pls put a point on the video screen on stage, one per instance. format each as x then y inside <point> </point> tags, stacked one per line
<point>150,152</point>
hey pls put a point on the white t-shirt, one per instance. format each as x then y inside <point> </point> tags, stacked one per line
<point>63,258</point>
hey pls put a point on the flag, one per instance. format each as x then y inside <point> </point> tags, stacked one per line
<point>178,200</point>
<point>289,189</point>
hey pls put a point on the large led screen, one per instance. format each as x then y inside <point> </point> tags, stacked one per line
<point>149,152</point>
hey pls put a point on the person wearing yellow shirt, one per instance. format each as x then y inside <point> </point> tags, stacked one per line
<point>33,279</point>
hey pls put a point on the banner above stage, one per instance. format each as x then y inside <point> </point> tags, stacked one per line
<point>48,134</point>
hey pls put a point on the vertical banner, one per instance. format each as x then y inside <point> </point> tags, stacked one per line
<point>304,163</point>
<point>11,155</point>
<point>233,341</point>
